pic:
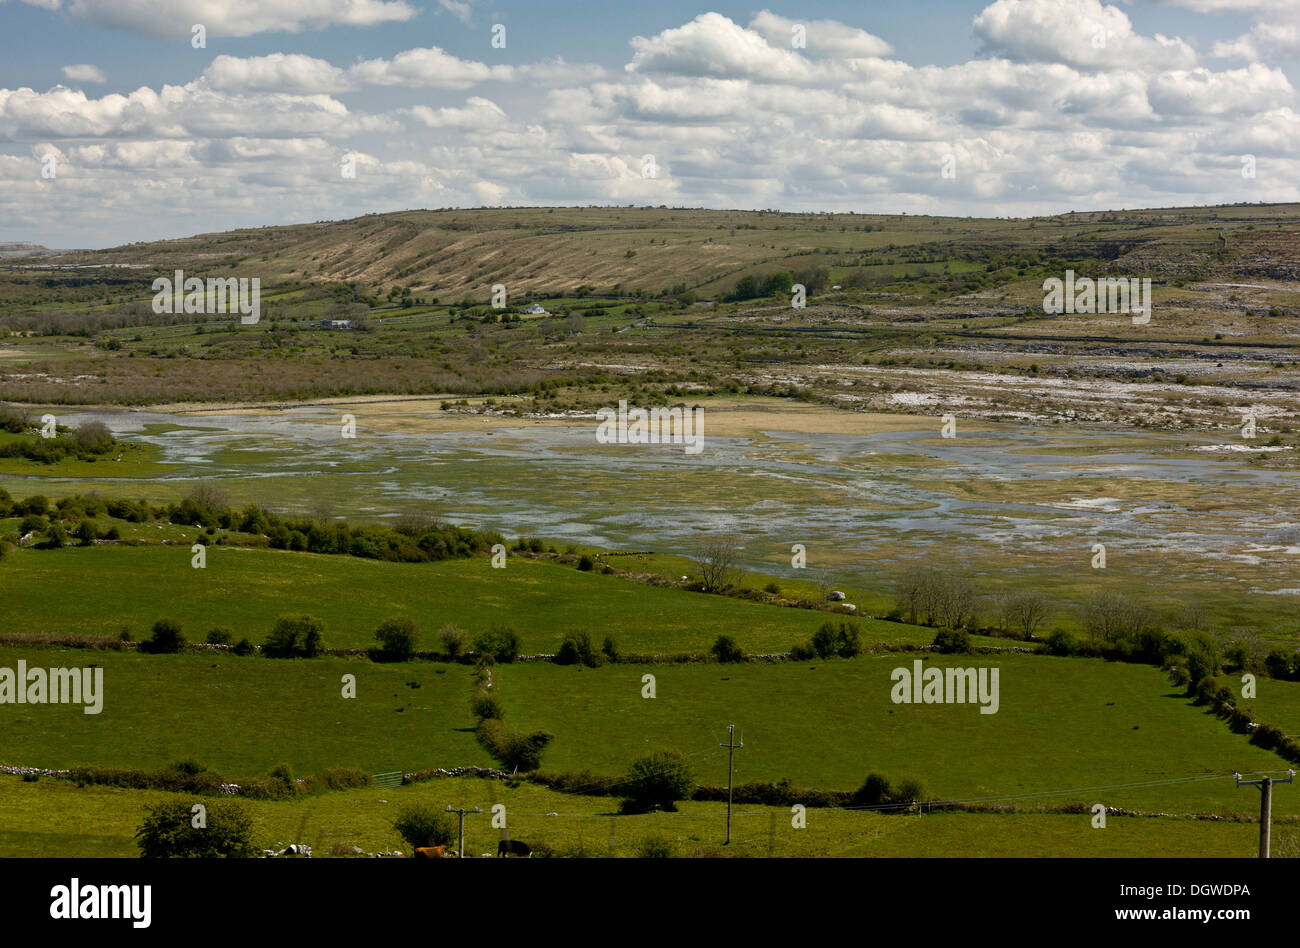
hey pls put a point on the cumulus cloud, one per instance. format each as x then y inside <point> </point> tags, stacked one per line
<point>478,113</point>
<point>713,46</point>
<point>84,73</point>
<point>1085,34</point>
<point>822,37</point>
<point>427,67</point>
<point>278,72</point>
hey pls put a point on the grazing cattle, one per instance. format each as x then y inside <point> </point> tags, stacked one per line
<point>513,847</point>
<point>429,852</point>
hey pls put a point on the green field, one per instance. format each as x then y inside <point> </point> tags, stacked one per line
<point>243,716</point>
<point>1064,725</point>
<point>101,590</point>
<point>55,818</point>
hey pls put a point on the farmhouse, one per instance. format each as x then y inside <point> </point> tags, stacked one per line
<point>535,310</point>
<point>337,324</point>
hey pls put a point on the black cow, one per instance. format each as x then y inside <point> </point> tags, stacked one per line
<point>513,847</point>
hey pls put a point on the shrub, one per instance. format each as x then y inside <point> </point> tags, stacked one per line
<point>656,847</point>
<point>502,643</point>
<point>877,791</point>
<point>220,636</point>
<point>422,826</point>
<point>487,706</point>
<point>844,641</point>
<point>339,778</point>
<point>577,648</point>
<point>453,641</point>
<point>610,648</point>
<point>1278,664</point>
<point>166,638</point>
<point>397,640</point>
<point>952,641</point>
<point>802,653</point>
<point>726,650</point>
<point>658,780</point>
<point>294,636</point>
<point>168,831</point>
<point>586,563</point>
<point>516,750</point>
<point>242,647</point>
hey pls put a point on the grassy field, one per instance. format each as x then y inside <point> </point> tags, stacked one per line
<point>101,590</point>
<point>1062,725</point>
<point>243,716</point>
<point>55,818</point>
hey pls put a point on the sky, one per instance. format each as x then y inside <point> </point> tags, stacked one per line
<point>133,120</point>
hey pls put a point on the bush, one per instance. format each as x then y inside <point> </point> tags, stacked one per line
<point>220,636</point>
<point>516,750</point>
<point>453,641</point>
<point>242,647</point>
<point>1062,642</point>
<point>658,781</point>
<point>168,831</point>
<point>397,640</point>
<point>166,638</point>
<point>294,636</point>
<point>656,847</point>
<point>586,563</point>
<point>802,653</point>
<point>953,642</point>
<point>877,791</point>
<point>726,650</point>
<point>421,826</point>
<point>1278,664</point>
<point>577,648</point>
<point>844,641</point>
<point>610,648</point>
<point>502,643</point>
<point>487,706</point>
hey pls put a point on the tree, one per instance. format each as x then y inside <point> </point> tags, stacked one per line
<point>422,826</point>
<point>166,638</point>
<point>94,437</point>
<point>718,559</point>
<point>169,831</point>
<point>918,589</point>
<point>453,641</point>
<point>294,636</point>
<point>502,643</point>
<point>1025,612</point>
<point>1114,617</point>
<point>658,780</point>
<point>397,639</point>
<point>726,650</point>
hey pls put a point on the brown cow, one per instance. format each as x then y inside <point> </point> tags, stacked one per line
<point>429,852</point>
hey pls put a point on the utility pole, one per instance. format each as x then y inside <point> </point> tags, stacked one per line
<point>731,747</point>
<point>462,825</point>
<point>1265,807</point>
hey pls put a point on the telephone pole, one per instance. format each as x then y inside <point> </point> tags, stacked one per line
<point>462,825</point>
<point>1265,807</point>
<point>731,747</point>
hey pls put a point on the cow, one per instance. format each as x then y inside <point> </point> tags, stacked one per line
<point>514,847</point>
<point>429,852</point>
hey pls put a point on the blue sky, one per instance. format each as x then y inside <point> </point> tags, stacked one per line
<point>149,137</point>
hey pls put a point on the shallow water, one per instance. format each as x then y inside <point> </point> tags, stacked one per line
<point>860,497</point>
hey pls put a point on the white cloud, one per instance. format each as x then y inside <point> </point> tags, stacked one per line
<point>823,37</point>
<point>458,8</point>
<point>427,67</point>
<point>478,113</point>
<point>1085,34</point>
<point>84,73</point>
<point>712,45</point>
<point>278,72</point>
